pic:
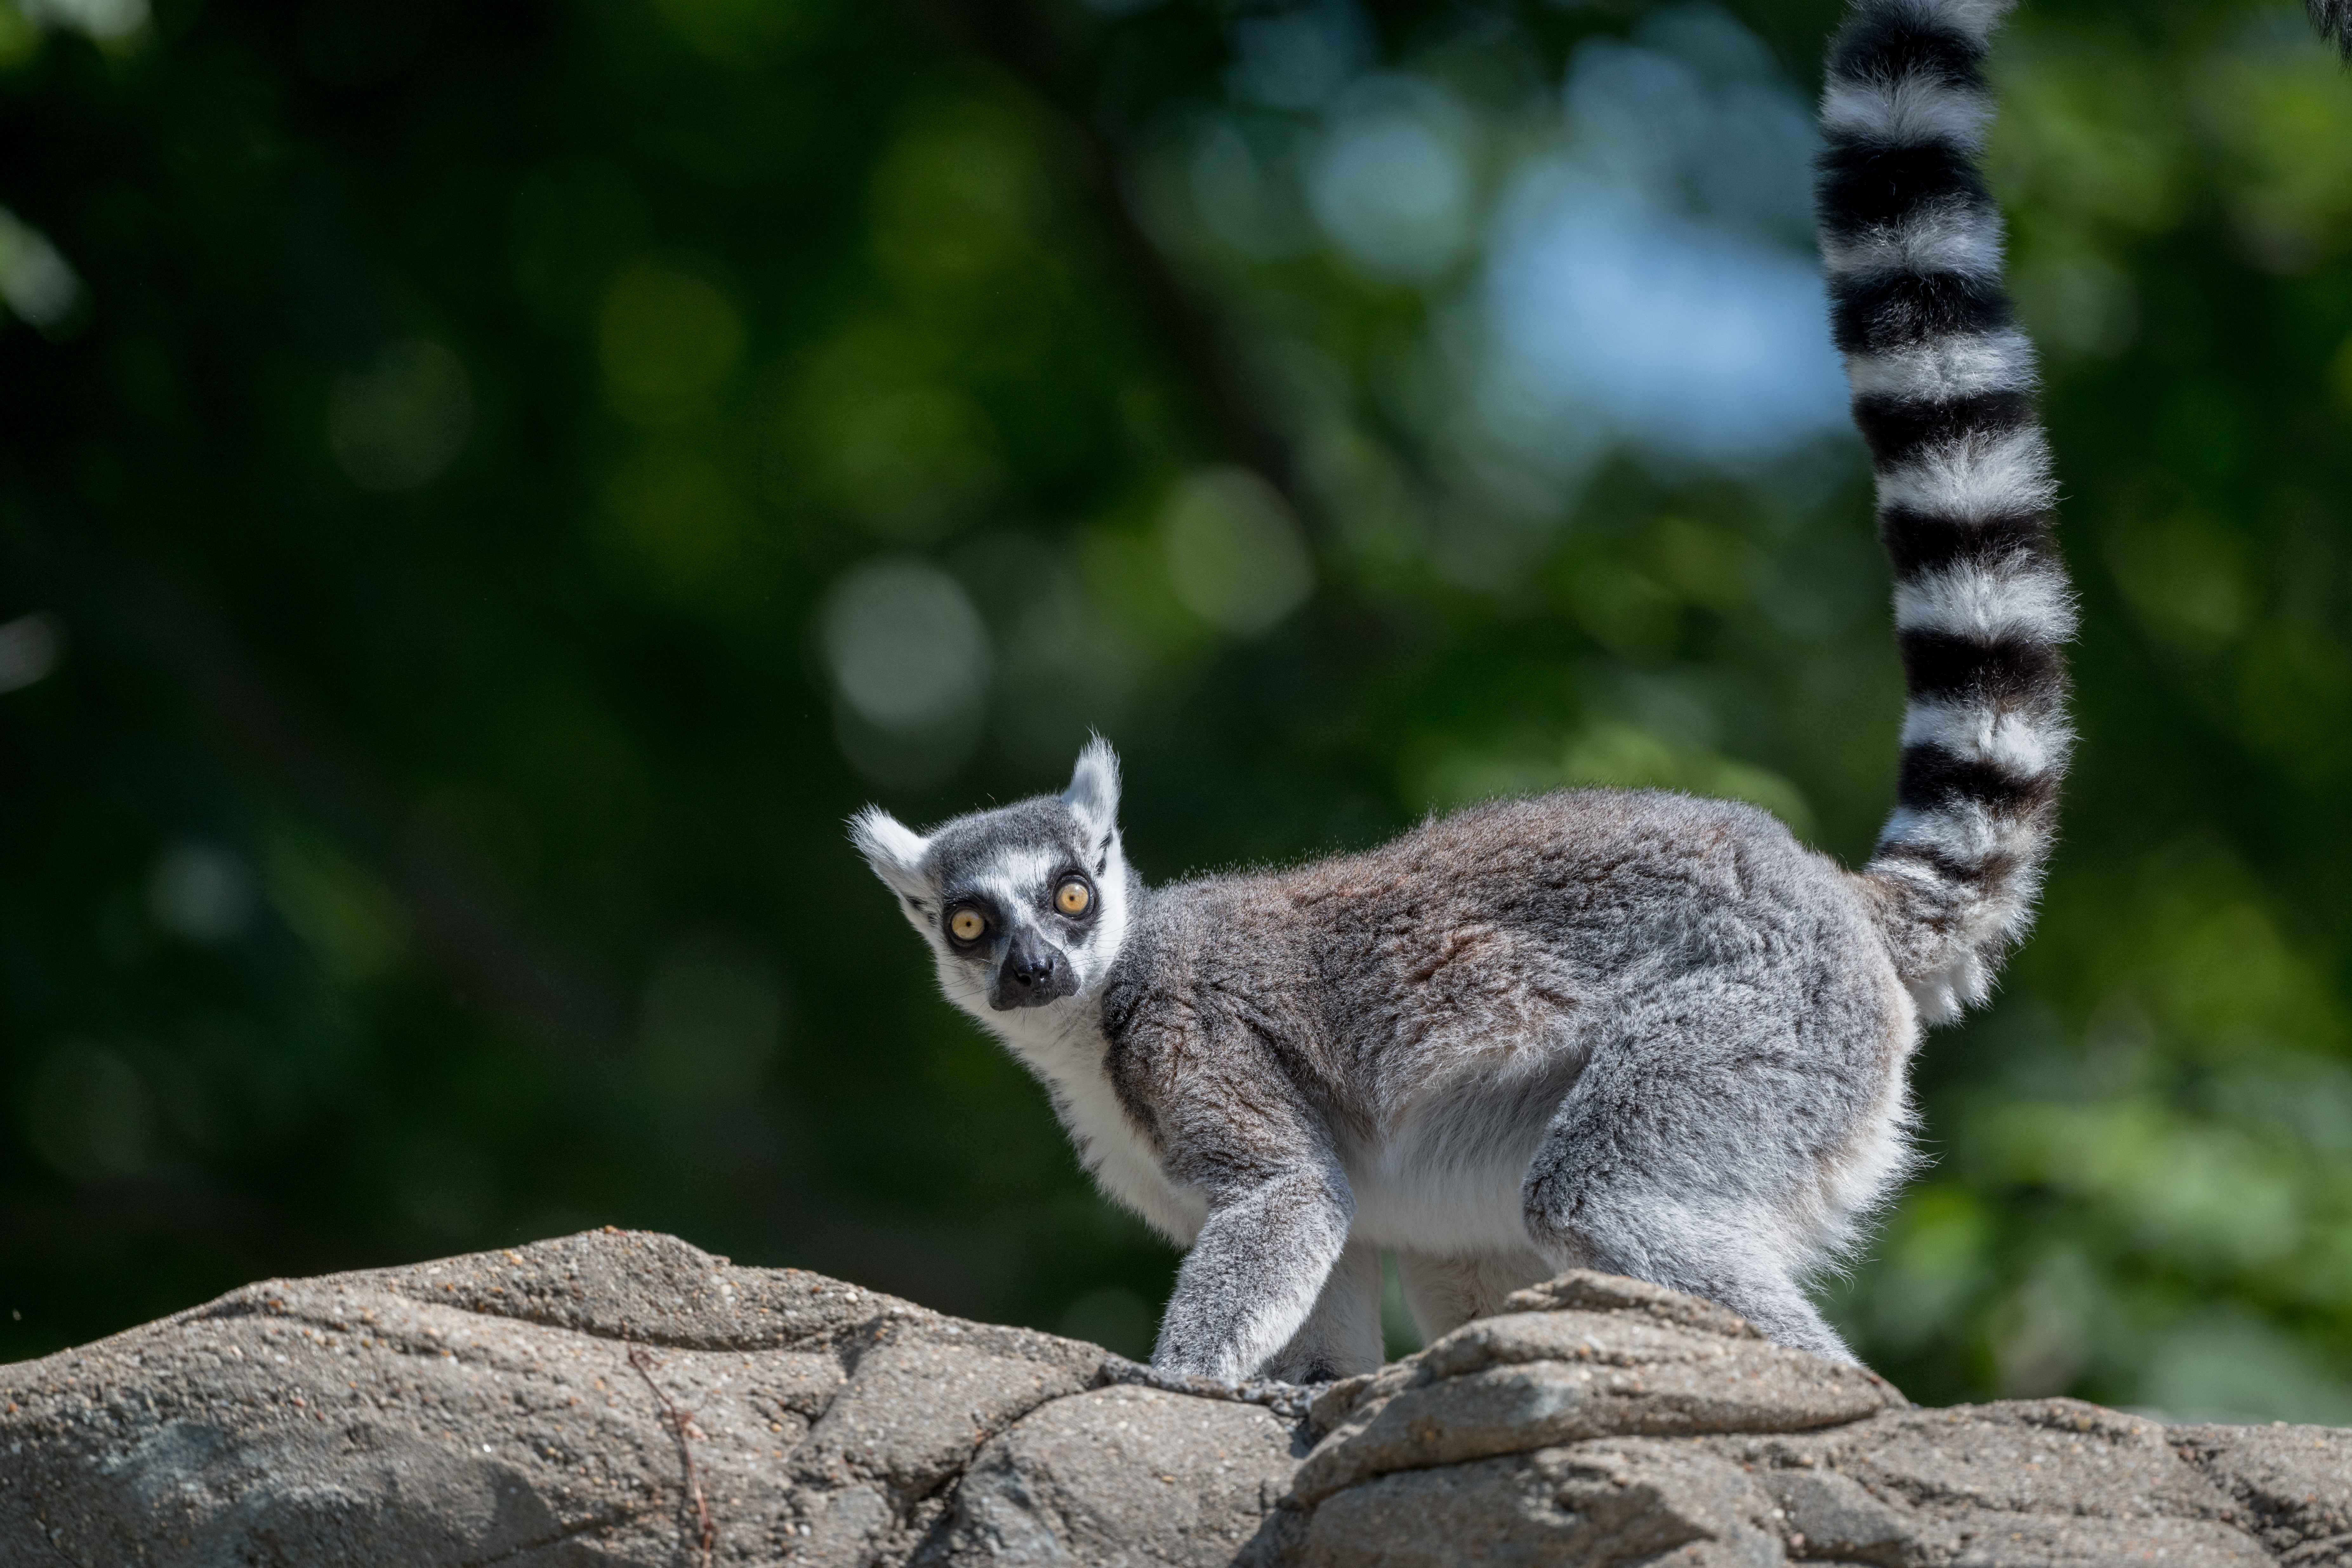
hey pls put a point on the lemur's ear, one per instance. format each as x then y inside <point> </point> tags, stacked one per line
<point>894,849</point>
<point>1093,794</point>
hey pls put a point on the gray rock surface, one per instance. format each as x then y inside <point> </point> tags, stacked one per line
<point>2288,1484</point>
<point>1126,1478</point>
<point>2040,1481</point>
<point>1526,1380</point>
<point>1643,1500</point>
<point>617,1398</point>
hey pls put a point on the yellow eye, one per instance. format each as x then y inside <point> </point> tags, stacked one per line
<point>965,925</point>
<point>1072,897</point>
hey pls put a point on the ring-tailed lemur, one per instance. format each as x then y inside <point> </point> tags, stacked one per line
<point>1631,1031</point>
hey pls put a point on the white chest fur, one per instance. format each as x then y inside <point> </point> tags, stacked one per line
<point>1063,1045</point>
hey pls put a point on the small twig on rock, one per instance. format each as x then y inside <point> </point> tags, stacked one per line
<point>706,1539</point>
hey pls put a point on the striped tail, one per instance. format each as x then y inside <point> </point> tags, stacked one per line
<point>1943,390</point>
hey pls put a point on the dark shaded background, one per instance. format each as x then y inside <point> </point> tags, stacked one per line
<point>486,490</point>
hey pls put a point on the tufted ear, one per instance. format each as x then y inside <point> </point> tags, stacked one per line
<point>895,851</point>
<point>1093,794</point>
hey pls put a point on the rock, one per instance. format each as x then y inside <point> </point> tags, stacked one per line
<point>1126,1476</point>
<point>519,1406</point>
<point>1635,1424</point>
<point>1583,1291</point>
<point>2292,1485</point>
<point>617,1398</point>
<point>1824,1514</point>
<point>1536,1379</point>
<point>1631,1500</point>
<point>2043,1481</point>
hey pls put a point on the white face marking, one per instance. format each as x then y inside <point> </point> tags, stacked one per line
<point>1020,881</point>
<point>1016,892</point>
<point>1022,887</point>
<point>1109,933</point>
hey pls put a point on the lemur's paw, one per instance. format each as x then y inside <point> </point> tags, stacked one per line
<point>1287,1400</point>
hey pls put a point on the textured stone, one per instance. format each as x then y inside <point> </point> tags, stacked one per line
<point>1125,1478</point>
<point>1628,1501</point>
<point>2024,1457</point>
<point>1824,1514</point>
<point>2292,1485</point>
<point>488,1408</point>
<point>1535,1379</point>
<point>596,1400</point>
<point>2054,1481</point>
<point>2059,1541</point>
<point>1580,1289</point>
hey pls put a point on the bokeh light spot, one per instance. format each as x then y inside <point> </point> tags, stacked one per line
<point>905,649</point>
<point>908,452</point>
<point>1686,337</point>
<point>36,280</point>
<point>400,422</point>
<point>31,647</point>
<point>667,333</point>
<point>1236,555</point>
<point>104,20</point>
<point>1390,182</point>
<point>201,892</point>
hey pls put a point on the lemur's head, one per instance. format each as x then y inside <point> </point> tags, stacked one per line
<point>1024,905</point>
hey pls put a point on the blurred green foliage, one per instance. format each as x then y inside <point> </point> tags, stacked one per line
<point>487,491</point>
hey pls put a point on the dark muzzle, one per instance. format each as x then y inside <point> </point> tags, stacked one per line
<point>1034,973</point>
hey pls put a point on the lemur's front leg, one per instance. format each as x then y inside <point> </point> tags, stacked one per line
<point>1341,1337</point>
<point>1210,1076</point>
<point>1253,1275</point>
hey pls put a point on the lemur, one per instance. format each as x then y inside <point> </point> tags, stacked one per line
<point>1625,1030</point>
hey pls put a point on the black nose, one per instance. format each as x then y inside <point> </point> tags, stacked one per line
<point>1032,974</point>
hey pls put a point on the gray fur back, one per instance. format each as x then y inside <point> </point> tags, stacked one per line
<point>1501,954</point>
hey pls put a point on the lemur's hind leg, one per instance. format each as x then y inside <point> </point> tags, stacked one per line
<point>1341,1336</point>
<point>1446,1292</point>
<point>1711,1143</point>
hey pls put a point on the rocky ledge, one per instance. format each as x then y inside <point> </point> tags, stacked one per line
<point>622,1398</point>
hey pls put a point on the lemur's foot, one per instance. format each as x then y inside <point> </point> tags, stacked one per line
<point>1287,1400</point>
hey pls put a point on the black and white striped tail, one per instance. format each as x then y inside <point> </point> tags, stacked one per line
<point>1943,390</point>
